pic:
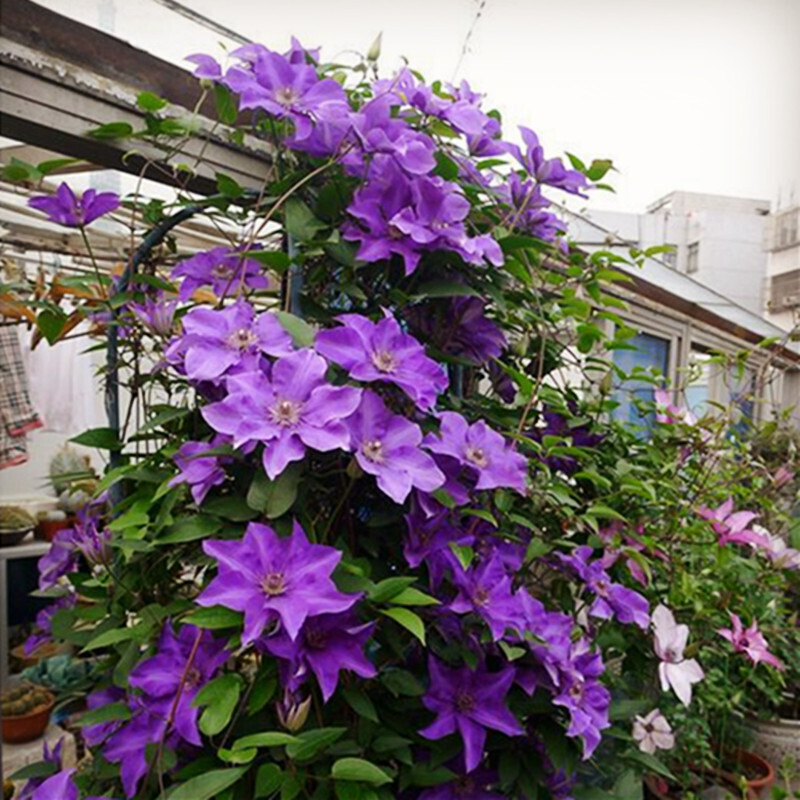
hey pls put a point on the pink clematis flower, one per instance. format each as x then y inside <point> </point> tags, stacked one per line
<point>731,526</point>
<point>668,412</point>
<point>750,641</point>
<point>670,642</point>
<point>782,476</point>
<point>653,732</point>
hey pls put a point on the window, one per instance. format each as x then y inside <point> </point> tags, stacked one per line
<point>693,258</point>
<point>651,354</point>
<point>698,388</point>
<point>785,290</point>
<point>670,257</point>
<point>786,230</point>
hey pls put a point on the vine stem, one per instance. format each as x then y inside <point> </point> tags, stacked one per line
<point>171,716</point>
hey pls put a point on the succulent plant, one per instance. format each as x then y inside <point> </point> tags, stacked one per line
<point>59,673</point>
<point>77,495</point>
<point>67,467</point>
<point>15,518</point>
<point>24,699</point>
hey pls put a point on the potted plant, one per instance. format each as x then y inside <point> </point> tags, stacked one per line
<point>25,712</point>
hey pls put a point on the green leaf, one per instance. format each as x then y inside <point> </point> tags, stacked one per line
<point>190,529</point>
<point>112,130</point>
<point>208,785</point>
<point>232,508</point>
<point>310,743</point>
<point>53,164</point>
<point>168,415</point>
<point>41,769</point>
<point>301,332</point>
<point>220,697</point>
<point>268,780</point>
<point>274,498</point>
<point>274,259</point>
<point>409,620</point>
<point>388,588</point>
<point>148,101</point>
<point>400,682</point>
<point>444,289</point>
<point>228,186</point>
<point>414,597</point>
<point>114,636</point>
<point>50,323</point>
<point>101,438</point>
<point>264,739</point>
<point>215,618</point>
<point>107,713</point>
<point>651,763</point>
<point>226,104</point>
<point>300,220</point>
<point>237,756</point>
<point>357,769</point>
<point>361,704</point>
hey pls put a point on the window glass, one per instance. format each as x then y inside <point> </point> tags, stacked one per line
<point>651,355</point>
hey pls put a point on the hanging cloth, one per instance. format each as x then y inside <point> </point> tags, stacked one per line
<point>17,414</point>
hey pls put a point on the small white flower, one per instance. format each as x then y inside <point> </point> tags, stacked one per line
<point>653,732</point>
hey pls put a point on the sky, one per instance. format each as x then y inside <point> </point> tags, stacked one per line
<point>696,95</point>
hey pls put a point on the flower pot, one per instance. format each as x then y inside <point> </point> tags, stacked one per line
<point>26,727</point>
<point>47,528</point>
<point>778,741</point>
<point>759,772</point>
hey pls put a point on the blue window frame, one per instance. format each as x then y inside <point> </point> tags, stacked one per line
<point>651,354</point>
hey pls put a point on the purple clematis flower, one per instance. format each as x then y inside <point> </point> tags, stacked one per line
<point>472,786</point>
<point>481,450</point>
<point>669,642</point>
<point>207,67</point>
<point>750,641</point>
<point>586,699</point>
<point>60,787</point>
<point>214,341</point>
<point>165,693</point>
<point>379,132</point>
<point>284,87</point>
<point>469,701</point>
<point>386,445</point>
<point>486,591</point>
<point>292,409</point>
<point>326,645</point>
<point>199,471</point>
<point>48,756</point>
<point>273,579</point>
<point>128,747</point>
<point>459,328</point>
<point>428,540</point>
<point>386,192</point>
<point>65,208</point>
<point>43,631</point>
<point>227,271</point>
<point>99,732</point>
<point>156,315</point>
<point>611,599</point>
<point>550,171</point>
<point>382,351</point>
<point>85,538</point>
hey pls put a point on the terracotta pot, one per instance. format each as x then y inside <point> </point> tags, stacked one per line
<point>778,741</point>
<point>757,787</point>
<point>27,727</point>
<point>47,528</point>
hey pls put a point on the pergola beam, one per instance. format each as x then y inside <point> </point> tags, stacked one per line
<point>59,79</point>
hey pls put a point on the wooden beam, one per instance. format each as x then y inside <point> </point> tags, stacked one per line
<point>36,155</point>
<point>60,79</point>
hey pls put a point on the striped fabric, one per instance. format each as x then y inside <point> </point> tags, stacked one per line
<point>17,415</point>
